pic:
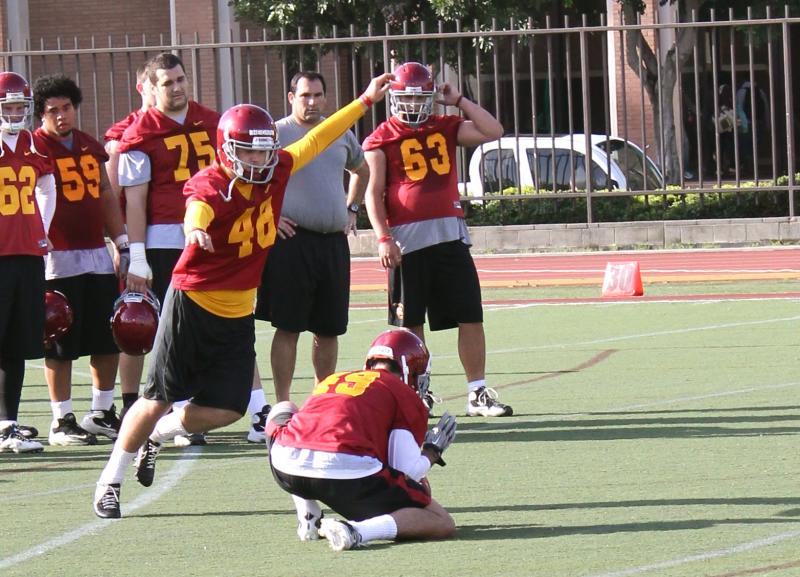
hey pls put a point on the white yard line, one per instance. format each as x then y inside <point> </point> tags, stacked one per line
<point>725,552</point>
<point>165,484</point>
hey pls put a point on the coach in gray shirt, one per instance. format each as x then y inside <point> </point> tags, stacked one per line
<point>306,283</point>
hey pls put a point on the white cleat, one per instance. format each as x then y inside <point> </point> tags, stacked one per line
<point>483,403</point>
<point>341,535</point>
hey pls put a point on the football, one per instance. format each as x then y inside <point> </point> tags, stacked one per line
<point>426,485</point>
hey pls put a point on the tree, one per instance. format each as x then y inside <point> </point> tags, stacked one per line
<point>643,61</point>
<point>657,75</point>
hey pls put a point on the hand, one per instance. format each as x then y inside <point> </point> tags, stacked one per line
<point>137,284</point>
<point>286,227</point>
<point>440,436</point>
<point>201,239</point>
<point>351,223</point>
<point>450,95</point>
<point>378,87</point>
<point>389,254</point>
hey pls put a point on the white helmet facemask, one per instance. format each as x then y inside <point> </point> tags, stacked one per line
<point>412,106</point>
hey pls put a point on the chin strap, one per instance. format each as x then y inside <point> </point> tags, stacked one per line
<point>230,189</point>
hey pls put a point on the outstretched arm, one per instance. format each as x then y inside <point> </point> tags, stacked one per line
<point>325,133</point>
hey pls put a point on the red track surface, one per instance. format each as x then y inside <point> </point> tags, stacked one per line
<point>589,268</point>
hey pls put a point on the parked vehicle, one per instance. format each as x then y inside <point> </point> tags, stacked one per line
<point>542,164</point>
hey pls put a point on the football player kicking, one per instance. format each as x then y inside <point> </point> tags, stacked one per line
<point>355,446</point>
<point>205,345</point>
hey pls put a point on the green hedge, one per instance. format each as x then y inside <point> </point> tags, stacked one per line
<point>761,202</point>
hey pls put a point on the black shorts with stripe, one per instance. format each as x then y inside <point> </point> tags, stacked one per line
<point>21,307</point>
<point>91,298</point>
<point>440,280</point>
<point>201,356</point>
<point>383,493</point>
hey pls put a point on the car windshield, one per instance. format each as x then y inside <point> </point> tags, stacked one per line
<point>554,172</point>
<point>499,170</point>
<point>639,170</point>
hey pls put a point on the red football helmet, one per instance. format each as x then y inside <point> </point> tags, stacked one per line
<point>57,316</point>
<point>14,89</point>
<point>247,127</point>
<point>411,93</point>
<point>135,321</point>
<point>409,353</point>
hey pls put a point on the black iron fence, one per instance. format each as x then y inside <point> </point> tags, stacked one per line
<point>656,113</point>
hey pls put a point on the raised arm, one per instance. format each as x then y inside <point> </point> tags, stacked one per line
<point>481,126</point>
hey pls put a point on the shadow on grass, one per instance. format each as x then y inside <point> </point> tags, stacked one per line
<point>639,425</point>
<point>504,532</point>
<point>626,504</point>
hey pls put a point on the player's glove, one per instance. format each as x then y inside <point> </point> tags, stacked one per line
<point>440,436</point>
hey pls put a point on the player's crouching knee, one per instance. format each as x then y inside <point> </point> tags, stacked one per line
<point>445,528</point>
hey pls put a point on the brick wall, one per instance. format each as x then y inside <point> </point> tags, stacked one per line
<point>106,78</point>
<point>633,103</point>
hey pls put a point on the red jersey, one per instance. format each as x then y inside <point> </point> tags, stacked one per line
<point>78,222</point>
<point>115,130</point>
<point>21,228</point>
<point>354,413</point>
<point>421,176</point>
<point>242,231</point>
<point>176,152</point>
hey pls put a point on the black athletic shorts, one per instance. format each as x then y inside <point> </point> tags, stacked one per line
<point>383,493</point>
<point>201,356</point>
<point>162,261</point>
<point>22,307</point>
<point>306,284</point>
<point>91,297</point>
<point>440,280</point>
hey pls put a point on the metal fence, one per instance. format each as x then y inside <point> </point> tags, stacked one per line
<point>704,106</point>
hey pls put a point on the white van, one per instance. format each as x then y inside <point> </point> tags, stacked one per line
<point>542,164</point>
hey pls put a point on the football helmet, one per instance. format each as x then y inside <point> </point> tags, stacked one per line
<point>247,127</point>
<point>57,316</point>
<point>134,322</point>
<point>411,93</point>
<point>14,89</point>
<point>408,352</point>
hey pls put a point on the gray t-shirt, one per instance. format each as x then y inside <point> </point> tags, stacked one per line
<point>315,196</point>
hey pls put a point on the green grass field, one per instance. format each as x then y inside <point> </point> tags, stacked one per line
<point>647,439</point>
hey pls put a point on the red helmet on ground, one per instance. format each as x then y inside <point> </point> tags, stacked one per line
<point>14,89</point>
<point>135,321</point>
<point>57,316</point>
<point>248,127</point>
<point>408,352</point>
<point>411,93</point>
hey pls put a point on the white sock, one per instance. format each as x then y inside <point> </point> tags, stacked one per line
<point>257,401</point>
<point>4,424</point>
<point>381,527</point>
<point>305,506</point>
<point>167,427</point>
<point>61,408</point>
<point>102,400</point>
<point>179,404</point>
<point>475,385</point>
<point>118,463</point>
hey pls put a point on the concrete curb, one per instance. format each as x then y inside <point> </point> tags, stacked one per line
<point>716,233</point>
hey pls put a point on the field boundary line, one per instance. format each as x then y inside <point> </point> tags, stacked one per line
<point>170,479</point>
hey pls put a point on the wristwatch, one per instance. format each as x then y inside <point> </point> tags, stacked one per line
<point>354,207</point>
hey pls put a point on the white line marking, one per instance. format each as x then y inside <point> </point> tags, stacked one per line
<point>168,481</point>
<point>740,548</point>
